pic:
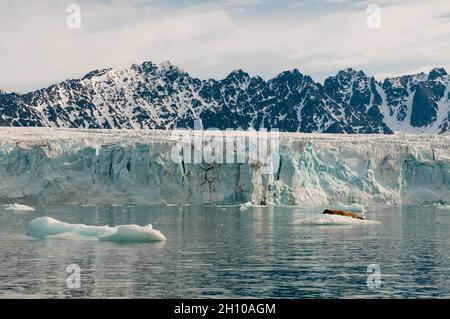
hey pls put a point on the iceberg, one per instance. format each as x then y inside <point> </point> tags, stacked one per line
<point>45,166</point>
<point>19,208</point>
<point>47,227</point>
<point>134,233</point>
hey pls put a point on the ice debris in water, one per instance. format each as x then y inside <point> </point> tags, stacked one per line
<point>18,207</point>
<point>350,208</point>
<point>47,227</point>
<point>333,220</point>
<point>245,206</point>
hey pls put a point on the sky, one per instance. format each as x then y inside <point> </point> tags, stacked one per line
<point>209,39</point>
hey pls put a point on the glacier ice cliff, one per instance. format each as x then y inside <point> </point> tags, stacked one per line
<point>68,166</point>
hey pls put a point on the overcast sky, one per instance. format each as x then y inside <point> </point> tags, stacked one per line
<point>212,38</point>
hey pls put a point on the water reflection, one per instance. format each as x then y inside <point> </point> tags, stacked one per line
<point>223,252</point>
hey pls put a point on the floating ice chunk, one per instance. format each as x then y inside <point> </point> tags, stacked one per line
<point>350,208</point>
<point>333,220</point>
<point>47,227</point>
<point>134,233</point>
<point>245,206</point>
<point>17,207</point>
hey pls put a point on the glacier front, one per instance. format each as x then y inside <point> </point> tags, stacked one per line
<point>72,166</point>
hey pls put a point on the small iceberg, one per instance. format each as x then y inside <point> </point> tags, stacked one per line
<point>333,220</point>
<point>350,208</point>
<point>245,206</point>
<point>19,208</point>
<point>134,233</point>
<point>47,227</point>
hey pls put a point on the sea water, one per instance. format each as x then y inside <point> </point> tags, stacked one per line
<point>224,252</point>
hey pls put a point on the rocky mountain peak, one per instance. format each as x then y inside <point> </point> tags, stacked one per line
<point>96,73</point>
<point>238,76</point>
<point>145,67</point>
<point>437,73</point>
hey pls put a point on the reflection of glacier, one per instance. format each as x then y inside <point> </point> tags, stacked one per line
<point>51,166</point>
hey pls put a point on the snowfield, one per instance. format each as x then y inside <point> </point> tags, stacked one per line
<point>72,166</point>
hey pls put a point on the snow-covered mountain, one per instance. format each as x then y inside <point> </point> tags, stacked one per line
<point>165,97</point>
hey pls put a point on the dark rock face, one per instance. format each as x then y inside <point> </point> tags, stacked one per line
<point>427,96</point>
<point>416,101</point>
<point>437,73</point>
<point>424,107</point>
<point>357,100</point>
<point>165,97</point>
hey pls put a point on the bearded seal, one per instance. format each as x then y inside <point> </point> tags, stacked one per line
<point>342,213</point>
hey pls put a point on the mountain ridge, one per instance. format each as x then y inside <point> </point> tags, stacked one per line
<point>164,96</point>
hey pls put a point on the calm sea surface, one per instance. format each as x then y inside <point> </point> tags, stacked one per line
<point>221,252</point>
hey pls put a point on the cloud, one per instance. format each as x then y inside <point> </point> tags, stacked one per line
<point>210,40</point>
<point>244,2</point>
<point>424,69</point>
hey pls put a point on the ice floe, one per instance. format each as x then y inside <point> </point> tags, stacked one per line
<point>333,220</point>
<point>47,227</point>
<point>18,207</point>
<point>134,233</point>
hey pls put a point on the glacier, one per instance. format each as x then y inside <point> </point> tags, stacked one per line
<point>47,166</point>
